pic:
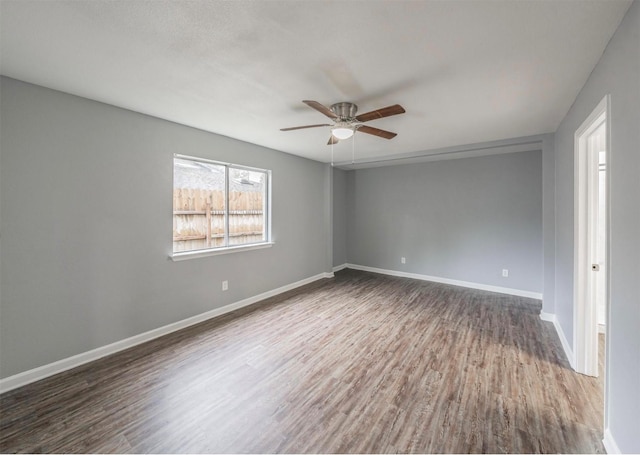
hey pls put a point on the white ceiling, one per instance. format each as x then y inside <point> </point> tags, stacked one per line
<point>465,71</point>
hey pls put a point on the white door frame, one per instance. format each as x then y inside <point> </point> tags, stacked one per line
<point>585,327</point>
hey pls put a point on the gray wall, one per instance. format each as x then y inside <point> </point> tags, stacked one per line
<point>464,219</point>
<point>339,217</point>
<point>86,223</point>
<point>548,223</point>
<point>618,74</point>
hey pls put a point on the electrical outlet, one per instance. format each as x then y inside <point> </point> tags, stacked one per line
<point>225,285</point>
<point>403,260</point>
<point>505,273</point>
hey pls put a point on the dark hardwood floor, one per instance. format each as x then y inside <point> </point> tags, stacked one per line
<point>359,363</point>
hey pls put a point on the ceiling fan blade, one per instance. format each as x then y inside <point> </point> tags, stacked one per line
<point>302,127</point>
<point>320,108</point>
<point>333,140</point>
<point>381,113</point>
<point>376,132</point>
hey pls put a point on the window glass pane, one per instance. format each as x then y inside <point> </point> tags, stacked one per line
<point>247,197</point>
<point>218,205</point>
<point>198,205</point>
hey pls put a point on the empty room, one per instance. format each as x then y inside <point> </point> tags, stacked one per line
<point>292,226</point>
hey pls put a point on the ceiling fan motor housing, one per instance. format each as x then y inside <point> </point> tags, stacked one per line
<point>344,110</point>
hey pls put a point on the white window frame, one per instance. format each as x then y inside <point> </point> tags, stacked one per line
<point>226,249</point>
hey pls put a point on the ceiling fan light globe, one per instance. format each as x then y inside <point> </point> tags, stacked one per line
<point>342,132</point>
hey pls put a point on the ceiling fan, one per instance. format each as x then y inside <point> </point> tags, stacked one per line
<point>346,122</point>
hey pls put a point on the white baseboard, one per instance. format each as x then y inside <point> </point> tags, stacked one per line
<point>609,443</point>
<point>36,374</point>
<point>551,317</point>
<point>466,284</point>
<point>337,268</point>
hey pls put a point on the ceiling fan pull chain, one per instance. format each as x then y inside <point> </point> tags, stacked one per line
<point>331,153</point>
<point>353,149</point>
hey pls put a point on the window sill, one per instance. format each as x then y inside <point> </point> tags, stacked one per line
<point>183,256</point>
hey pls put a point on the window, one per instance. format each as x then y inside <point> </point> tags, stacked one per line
<point>218,206</point>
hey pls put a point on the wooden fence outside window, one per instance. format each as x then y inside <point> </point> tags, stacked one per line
<point>199,218</point>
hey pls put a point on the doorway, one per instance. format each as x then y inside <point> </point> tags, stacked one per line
<point>591,271</point>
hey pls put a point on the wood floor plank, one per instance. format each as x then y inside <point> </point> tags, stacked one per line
<point>361,363</point>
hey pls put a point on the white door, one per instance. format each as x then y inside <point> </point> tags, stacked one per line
<point>590,261</point>
<point>601,252</point>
